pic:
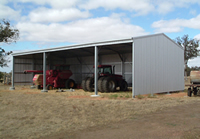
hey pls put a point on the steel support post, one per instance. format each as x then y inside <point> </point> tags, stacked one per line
<point>44,73</point>
<point>95,72</point>
<point>133,70</point>
<point>13,69</point>
<point>122,69</point>
<point>33,63</point>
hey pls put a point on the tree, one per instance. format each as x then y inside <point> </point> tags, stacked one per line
<point>190,48</point>
<point>1,75</point>
<point>8,34</point>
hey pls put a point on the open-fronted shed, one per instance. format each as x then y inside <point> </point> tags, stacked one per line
<point>150,64</point>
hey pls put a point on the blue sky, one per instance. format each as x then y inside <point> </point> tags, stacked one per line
<point>53,23</point>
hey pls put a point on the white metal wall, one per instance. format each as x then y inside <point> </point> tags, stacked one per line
<point>159,65</point>
<point>19,77</point>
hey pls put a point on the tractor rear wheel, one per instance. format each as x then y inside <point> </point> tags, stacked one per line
<point>109,84</point>
<point>100,87</point>
<point>123,86</point>
<point>90,84</point>
<point>49,87</point>
<point>70,84</point>
<point>83,84</point>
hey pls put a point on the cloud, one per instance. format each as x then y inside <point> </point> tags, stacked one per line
<point>193,12</point>
<point>165,7</point>
<point>88,30</point>
<point>194,62</point>
<point>8,13</point>
<point>197,37</point>
<point>58,4</point>
<point>56,15</point>
<point>141,7</point>
<point>176,25</point>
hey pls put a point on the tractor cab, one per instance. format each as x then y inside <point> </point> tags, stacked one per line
<point>105,69</point>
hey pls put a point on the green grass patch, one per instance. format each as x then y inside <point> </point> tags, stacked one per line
<point>140,96</point>
<point>113,96</point>
<point>151,96</point>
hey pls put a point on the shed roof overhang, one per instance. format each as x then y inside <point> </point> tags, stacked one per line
<point>81,50</point>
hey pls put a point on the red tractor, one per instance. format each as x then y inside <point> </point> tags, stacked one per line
<point>107,80</point>
<point>57,78</point>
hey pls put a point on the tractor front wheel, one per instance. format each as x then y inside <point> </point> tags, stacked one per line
<point>70,84</point>
<point>49,87</point>
<point>83,84</point>
<point>90,84</point>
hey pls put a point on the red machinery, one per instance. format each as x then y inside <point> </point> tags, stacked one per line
<point>57,78</point>
<point>108,81</point>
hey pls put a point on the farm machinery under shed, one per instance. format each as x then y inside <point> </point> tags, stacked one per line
<point>107,80</point>
<point>194,87</point>
<point>59,77</point>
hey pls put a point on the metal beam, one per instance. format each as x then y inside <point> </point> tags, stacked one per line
<point>44,73</point>
<point>133,70</point>
<point>13,69</point>
<point>96,73</point>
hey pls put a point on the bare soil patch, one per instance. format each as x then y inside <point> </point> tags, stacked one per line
<point>175,123</point>
<point>28,113</point>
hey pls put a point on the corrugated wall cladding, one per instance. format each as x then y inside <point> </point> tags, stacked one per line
<point>19,77</point>
<point>159,65</point>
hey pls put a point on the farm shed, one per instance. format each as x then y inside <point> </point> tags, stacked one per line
<point>150,64</point>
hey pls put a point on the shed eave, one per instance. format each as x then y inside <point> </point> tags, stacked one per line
<point>76,46</point>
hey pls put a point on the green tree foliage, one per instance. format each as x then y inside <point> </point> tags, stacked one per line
<point>190,48</point>
<point>1,75</point>
<point>8,34</point>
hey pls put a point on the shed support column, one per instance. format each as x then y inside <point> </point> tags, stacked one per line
<point>95,72</point>
<point>133,70</point>
<point>13,69</point>
<point>122,69</point>
<point>33,63</point>
<point>44,73</point>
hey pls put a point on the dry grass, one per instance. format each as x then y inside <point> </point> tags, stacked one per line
<point>28,113</point>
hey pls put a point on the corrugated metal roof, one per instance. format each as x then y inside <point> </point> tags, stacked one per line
<point>76,46</point>
<point>86,45</point>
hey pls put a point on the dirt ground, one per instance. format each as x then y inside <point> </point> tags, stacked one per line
<point>28,113</point>
<point>179,122</point>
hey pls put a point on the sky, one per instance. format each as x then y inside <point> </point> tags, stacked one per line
<point>53,23</point>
